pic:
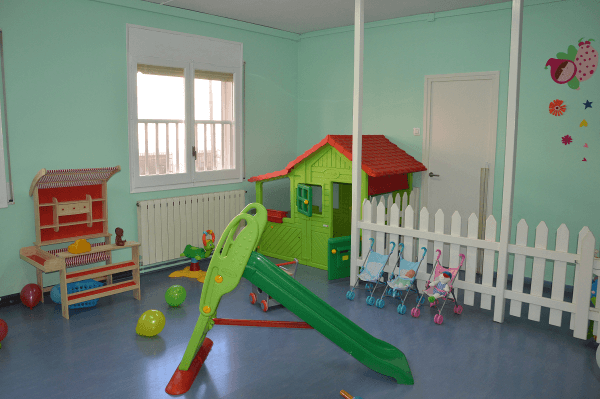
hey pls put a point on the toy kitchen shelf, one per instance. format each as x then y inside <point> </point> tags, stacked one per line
<point>71,204</point>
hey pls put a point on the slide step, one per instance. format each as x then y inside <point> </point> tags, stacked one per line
<point>103,291</point>
<point>100,271</point>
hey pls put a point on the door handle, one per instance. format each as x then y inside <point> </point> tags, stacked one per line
<point>433,175</point>
<point>194,153</point>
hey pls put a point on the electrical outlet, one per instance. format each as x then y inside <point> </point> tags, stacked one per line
<point>417,131</point>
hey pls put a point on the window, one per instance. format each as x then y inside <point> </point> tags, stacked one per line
<point>309,199</point>
<point>185,108</point>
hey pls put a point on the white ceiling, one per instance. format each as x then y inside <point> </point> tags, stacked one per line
<point>303,16</point>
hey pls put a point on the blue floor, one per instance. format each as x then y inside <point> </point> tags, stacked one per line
<point>97,354</point>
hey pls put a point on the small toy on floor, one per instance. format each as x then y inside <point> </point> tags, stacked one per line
<point>346,395</point>
<point>3,331</point>
<point>150,323</point>
<point>31,295</point>
<point>175,295</point>
<point>119,241</point>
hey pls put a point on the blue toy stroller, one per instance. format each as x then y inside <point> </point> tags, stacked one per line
<point>371,272</point>
<point>404,280</point>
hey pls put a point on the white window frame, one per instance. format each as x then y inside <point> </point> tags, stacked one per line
<point>173,49</point>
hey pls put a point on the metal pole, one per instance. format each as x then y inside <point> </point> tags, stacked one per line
<point>359,31</point>
<point>512,115</point>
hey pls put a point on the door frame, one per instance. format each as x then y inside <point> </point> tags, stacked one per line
<point>494,76</point>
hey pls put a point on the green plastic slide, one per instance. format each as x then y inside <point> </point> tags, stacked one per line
<point>233,258</point>
<point>374,353</point>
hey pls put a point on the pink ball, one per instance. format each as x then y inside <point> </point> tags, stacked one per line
<point>31,295</point>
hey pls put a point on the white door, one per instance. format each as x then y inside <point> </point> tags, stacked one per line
<point>461,114</point>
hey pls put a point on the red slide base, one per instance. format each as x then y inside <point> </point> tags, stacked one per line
<point>262,323</point>
<point>182,381</point>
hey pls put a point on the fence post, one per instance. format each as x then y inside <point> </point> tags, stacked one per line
<point>583,286</point>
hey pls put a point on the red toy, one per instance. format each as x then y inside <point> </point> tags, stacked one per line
<point>3,331</point>
<point>31,295</point>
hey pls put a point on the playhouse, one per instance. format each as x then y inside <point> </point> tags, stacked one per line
<point>321,194</point>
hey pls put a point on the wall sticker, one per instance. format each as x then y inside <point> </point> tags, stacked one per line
<point>575,66</point>
<point>557,108</point>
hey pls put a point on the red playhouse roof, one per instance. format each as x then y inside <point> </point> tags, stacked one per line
<point>380,157</point>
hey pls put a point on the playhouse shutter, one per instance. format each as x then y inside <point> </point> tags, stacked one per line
<point>304,199</point>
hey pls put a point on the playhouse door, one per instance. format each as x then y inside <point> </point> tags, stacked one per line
<point>342,209</point>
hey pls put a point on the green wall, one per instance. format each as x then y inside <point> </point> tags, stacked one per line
<point>552,184</point>
<point>65,65</point>
<point>66,83</point>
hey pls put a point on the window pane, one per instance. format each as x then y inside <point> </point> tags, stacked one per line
<point>213,112</point>
<point>161,120</point>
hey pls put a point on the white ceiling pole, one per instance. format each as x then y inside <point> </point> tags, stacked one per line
<point>359,33</point>
<point>512,116</point>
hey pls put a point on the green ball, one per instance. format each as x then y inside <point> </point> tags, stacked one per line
<point>150,323</point>
<point>175,295</point>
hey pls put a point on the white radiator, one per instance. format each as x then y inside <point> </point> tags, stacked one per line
<point>166,226</point>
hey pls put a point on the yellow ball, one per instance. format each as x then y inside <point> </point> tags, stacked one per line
<point>150,323</point>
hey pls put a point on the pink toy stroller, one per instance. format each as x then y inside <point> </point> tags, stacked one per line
<point>441,288</point>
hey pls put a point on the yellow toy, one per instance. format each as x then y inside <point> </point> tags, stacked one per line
<point>80,246</point>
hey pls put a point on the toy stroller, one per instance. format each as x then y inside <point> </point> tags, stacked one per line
<point>440,288</point>
<point>371,272</point>
<point>258,295</point>
<point>405,280</point>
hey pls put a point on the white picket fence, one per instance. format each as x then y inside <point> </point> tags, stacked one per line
<point>381,222</point>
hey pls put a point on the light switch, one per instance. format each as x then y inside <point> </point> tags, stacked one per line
<point>417,131</point>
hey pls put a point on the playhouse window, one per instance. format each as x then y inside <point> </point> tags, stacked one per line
<point>276,194</point>
<point>309,199</point>
<point>185,116</point>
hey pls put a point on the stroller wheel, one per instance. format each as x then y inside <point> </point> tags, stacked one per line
<point>458,309</point>
<point>264,305</point>
<point>421,300</point>
<point>438,319</point>
<point>252,298</point>
<point>402,309</point>
<point>415,312</point>
<point>368,286</point>
<point>380,303</point>
<point>370,300</point>
<point>389,291</point>
<point>350,295</point>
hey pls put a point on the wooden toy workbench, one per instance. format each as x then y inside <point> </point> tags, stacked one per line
<point>71,204</point>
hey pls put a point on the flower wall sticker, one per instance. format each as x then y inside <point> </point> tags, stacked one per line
<point>557,108</point>
<point>567,139</point>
